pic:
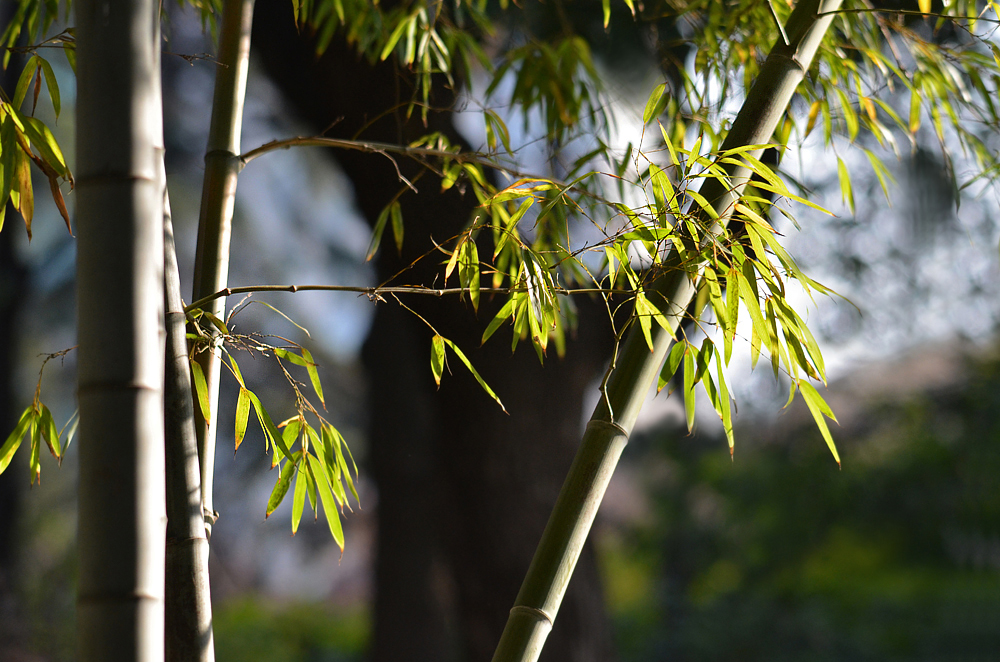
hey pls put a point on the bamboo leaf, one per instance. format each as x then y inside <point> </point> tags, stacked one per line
<point>51,84</point>
<point>468,270</point>
<point>281,486</point>
<point>505,312</point>
<point>468,364</point>
<point>242,415</point>
<point>24,82</point>
<point>396,214</point>
<point>15,438</point>
<point>818,408</point>
<point>437,358</point>
<point>656,103</point>
<point>689,400</point>
<point>846,190</point>
<point>201,390</point>
<point>50,433</point>
<point>383,218</point>
<point>670,366</point>
<point>299,499</point>
<point>325,497</point>
<point>313,374</point>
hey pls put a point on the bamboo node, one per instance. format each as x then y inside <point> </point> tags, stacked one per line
<point>609,424</point>
<point>538,614</point>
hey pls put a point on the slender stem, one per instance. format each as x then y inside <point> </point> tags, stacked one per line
<point>376,292</point>
<point>636,367</point>
<point>222,167</point>
<point>189,636</point>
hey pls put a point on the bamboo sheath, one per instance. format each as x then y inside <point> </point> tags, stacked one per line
<point>119,259</point>
<point>222,167</point>
<point>637,367</point>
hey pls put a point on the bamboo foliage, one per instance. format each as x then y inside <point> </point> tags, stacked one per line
<point>645,351</point>
<point>699,245</point>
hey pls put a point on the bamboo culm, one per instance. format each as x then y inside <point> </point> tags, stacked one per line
<point>188,625</point>
<point>120,258</point>
<point>222,167</point>
<point>636,367</point>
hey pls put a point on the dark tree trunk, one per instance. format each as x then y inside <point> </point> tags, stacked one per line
<point>464,489</point>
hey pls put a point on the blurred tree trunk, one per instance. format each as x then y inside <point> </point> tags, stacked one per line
<point>464,489</point>
<point>13,281</point>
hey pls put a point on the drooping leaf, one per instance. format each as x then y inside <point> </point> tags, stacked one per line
<point>437,358</point>
<point>819,408</point>
<point>281,485</point>
<point>326,498</point>
<point>242,415</point>
<point>298,499</point>
<point>468,364</point>
<point>14,439</point>
<point>201,390</point>
<point>689,400</point>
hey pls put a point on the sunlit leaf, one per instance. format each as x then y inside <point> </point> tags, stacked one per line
<point>468,364</point>
<point>242,415</point>
<point>313,374</point>
<point>14,439</point>
<point>655,104</point>
<point>326,498</point>
<point>437,358</point>
<point>818,408</point>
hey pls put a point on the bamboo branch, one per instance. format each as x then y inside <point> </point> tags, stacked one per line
<point>636,367</point>
<point>375,293</point>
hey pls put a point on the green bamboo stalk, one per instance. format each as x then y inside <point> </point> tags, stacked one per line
<point>188,622</point>
<point>637,367</point>
<point>222,167</point>
<point>119,259</point>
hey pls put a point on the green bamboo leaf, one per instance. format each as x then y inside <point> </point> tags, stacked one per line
<point>726,413</point>
<point>50,433</point>
<point>34,458</point>
<point>656,103</point>
<point>396,214</point>
<point>390,43</point>
<point>846,190</point>
<point>437,358</point>
<point>468,270</point>
<point>689,401</point>
<point>670,366</point>
<point>299,499</point>
<point>43,141</point>
<point>468,364</point>
<point>15,438</point>
<point>24,82</point>
<point>606,6</point>
<point>236,370</point>
<point>281,486</point>
<point>818,408</point>
<point>642,314</point>
<point>242,415</point>
<point>383,218</point>
<point>51,84</point>
<point>22,186</point>
<point>915,102</point>
<point>505,312</point>
<point>313,374</point>
<point>289,356</point>
<point>326,498</point>
<point>271,431</point>
<point>69,430</point>
<point>201,389</point>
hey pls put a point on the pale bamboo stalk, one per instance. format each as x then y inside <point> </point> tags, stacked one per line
<point>222,167</point>
<point>189,636</point>
<point>637,367</point>
<point>120,309</point>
